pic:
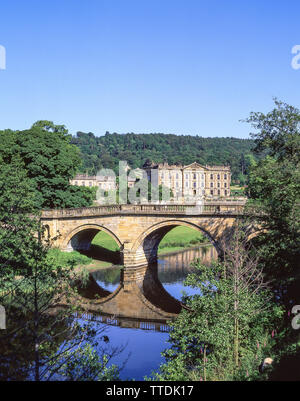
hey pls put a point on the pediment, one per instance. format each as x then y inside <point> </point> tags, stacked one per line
<point>194,165</point>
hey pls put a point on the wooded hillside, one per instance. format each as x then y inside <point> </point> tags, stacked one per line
<point>106,151</point>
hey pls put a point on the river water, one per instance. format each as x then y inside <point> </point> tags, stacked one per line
<point>145,338</point>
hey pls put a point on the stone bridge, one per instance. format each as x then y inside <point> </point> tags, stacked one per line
<point>138,229</point>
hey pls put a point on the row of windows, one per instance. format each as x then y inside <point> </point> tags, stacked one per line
<point>83,183</point>
<point>195,176</point>
<point>202,184</point>
<point>218,177</point>
<point>219,185</point>
<point>186,176</point>
<point>219,192</point>
<point>212,192</point>
<point>91,184</point>
<point>194,184</point>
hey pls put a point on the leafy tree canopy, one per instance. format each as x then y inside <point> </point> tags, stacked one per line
<point>274,188</point>
<point>50,161</point>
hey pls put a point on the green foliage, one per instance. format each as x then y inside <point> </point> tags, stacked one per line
<point>75,196</point>
<point>88,366</point>
<point>225,332</point>
<point>238,191</point>
<point>106,151</point>
<point>278,132</point>
<point>17,228</point>
<point>274,188</point>
<point>50,161</point>
<point>41,335</point>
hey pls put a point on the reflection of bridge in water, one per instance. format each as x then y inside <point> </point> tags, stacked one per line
<point>126,322</point>
<point>140,301</point>
<point>178,264</point>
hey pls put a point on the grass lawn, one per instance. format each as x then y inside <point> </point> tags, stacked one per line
<point>179,238</point>
<point>76,258</point>
<point>106,241</point>
<point>68,258</point>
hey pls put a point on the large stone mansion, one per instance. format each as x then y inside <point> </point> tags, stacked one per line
<point>193,180</point>
<point>190,181</point>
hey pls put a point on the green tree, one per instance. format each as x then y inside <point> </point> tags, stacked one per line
<point>274,189</point>
<point>277,132</point>
<point>42,340</point>
<point>225,331</point>
<point>50,161</point>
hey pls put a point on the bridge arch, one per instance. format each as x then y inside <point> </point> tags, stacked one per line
<point>147,243</point>
<point>81,237</point>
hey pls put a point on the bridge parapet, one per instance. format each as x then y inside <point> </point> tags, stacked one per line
<point>209,207</point>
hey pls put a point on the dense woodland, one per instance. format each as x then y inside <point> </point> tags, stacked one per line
<point>106,151</point>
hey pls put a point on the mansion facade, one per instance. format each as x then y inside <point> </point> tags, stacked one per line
<point>193,180</point>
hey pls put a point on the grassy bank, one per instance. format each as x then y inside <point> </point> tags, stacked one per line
<point>180,238</point>
<point>76,259</point>
<point>106,241</point>
<point>69,258</point>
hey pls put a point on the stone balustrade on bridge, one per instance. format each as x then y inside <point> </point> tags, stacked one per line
<point>208,207</point>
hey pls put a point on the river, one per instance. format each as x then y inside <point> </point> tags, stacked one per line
<point>139,319</point>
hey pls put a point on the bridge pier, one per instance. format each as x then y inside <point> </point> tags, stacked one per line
<point>132,258</point>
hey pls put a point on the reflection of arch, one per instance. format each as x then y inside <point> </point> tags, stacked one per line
<point>149,240</point>
<point>91,290</point>
<point>140,295</point>
<point>85,235</point>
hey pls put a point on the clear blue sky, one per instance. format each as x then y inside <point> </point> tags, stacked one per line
<point>172,66</point>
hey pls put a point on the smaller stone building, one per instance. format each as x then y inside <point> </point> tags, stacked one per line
<point>105,182</point>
